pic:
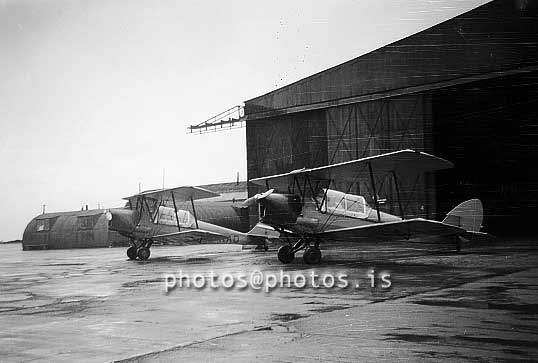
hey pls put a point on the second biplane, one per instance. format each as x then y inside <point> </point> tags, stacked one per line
<point>171,216</point>
<point>302,205</point>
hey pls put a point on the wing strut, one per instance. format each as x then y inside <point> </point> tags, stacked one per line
<point>175,211</point>
<point>145,201</point>
<point>375,192</point>
<point>194,212</point>
<point>398,194</point>
<point>139,203</point>
<point>324,197</point>
<point>314,196</point>
<point>295,181</point>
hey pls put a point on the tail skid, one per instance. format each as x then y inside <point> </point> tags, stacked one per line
<point>467,215</point>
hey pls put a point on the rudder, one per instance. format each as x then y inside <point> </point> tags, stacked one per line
<point>467,215</point>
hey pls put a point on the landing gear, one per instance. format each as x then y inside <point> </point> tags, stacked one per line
<point>311,256</point>
<point>285,254</point>
<point>142,251</point>
<point>131,253</point>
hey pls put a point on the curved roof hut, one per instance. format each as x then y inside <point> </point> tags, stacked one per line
<point>77,229</point>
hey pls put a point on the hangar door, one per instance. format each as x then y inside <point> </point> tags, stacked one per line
<point>489,129</point>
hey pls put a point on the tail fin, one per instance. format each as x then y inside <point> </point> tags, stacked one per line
<point>468,215</point>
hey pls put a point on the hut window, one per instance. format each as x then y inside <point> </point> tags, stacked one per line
<point>43,225</point>
<point>85,222</point>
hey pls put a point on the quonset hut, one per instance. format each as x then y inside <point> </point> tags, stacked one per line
<point>465,90</point>
<point>78,229</point>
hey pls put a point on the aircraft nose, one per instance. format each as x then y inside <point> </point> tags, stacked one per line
<point>121,220</point>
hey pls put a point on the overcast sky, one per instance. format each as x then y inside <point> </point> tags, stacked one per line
<point>96,95</point>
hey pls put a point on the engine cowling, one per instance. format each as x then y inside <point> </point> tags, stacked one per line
<point>280,209</point>
<point>122,220</point>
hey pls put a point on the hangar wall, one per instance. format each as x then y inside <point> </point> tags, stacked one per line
<point>370,128</point>
<point>284,143</point>
<point>487,128</point>
<point>342,133</point>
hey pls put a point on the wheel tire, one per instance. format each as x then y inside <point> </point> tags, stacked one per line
<point>131,253</point>
<point>143,253</point>
<point>312,256</point>
<point>285,255</point>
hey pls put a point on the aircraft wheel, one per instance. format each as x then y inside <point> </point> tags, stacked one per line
<point>285,254</point>
<point>312,256</point>
<point>143,253</point>
<point>131,253</point>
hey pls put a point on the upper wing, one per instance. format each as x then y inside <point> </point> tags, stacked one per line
<point>396,161</point>
<point>180,194</point>
<point>189,236</point>
<point>398,230</point>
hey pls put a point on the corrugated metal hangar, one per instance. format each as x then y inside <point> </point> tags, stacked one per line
<point>465,90</point>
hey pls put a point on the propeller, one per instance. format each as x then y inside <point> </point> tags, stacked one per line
<point>253,200</point>
<point>264,195</point>
<point>108,215</point>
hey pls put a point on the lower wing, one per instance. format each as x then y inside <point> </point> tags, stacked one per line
<point>264,231</point>
<point>398,230</point>
<point>190,236</point>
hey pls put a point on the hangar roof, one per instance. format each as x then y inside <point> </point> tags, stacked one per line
<point>498,38</point>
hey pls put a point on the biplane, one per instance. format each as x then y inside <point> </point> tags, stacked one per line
<point>171,216</point>
<point>301,204</point>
